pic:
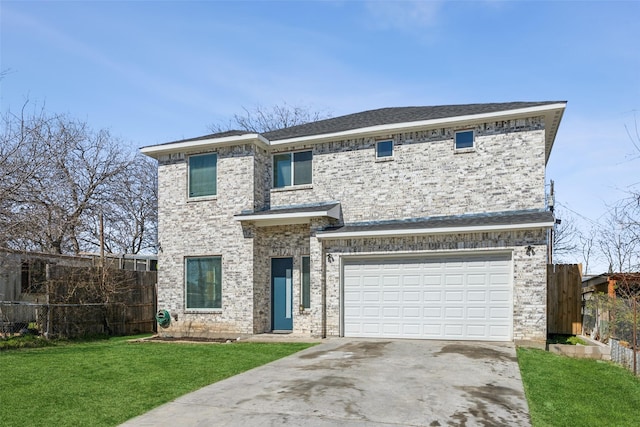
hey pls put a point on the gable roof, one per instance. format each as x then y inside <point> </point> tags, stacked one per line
<point>382,120</point>
<point>394,115</point>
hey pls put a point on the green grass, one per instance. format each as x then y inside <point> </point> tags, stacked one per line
<point>563,391</point>
<point>104,383</point>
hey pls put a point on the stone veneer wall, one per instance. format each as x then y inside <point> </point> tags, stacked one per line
<point>425,176</point>
<point>206,226</point>
<point>529,271</point>
<point>278,242</point>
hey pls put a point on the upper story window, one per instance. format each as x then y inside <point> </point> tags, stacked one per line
<point>464,139</point>
<point>203,175</point>
<point>292,169</point>
<point>384,149</point>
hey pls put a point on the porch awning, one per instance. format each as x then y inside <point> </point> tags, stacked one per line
<point>291,214</point>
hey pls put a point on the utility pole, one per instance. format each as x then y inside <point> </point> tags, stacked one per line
<point>551,205</point>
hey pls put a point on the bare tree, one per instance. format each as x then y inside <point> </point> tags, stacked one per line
<point>130,215</point>
<point>57,176</point>
<point>617,242</point>
<point>565,237</point>
<point>587,244</point>
<point>22,157</point>
<point>264,119</point>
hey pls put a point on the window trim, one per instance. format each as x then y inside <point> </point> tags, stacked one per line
<point>185,284</point>
<point>473,140</point>
<point>291,155</point>
<point>390,156</point>
<point>305,305</point>
<point>205,196</point>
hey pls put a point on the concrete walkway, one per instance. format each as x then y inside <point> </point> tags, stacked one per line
<point>363,383</point>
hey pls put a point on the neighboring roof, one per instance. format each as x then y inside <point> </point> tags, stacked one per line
<point>445,224</point>
<point>376,122</point>
<point>604,277</point>
<point>298,214</point>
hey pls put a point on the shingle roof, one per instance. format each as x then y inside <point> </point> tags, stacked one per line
<point>381,116</point>
<point>457,221</point>
<point>315,207</point>
<point>392,115</point>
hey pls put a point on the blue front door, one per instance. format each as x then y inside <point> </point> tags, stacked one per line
<point>282,293</point>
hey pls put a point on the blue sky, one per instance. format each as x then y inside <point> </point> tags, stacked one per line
<point>158,71</point>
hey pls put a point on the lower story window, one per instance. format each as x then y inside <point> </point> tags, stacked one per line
<point>306,282</point>
<point>203,282</point>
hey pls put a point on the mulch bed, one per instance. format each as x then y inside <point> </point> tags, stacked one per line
<point>158,338</point>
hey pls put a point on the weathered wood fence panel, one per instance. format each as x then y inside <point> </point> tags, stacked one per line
<point>564,299</point>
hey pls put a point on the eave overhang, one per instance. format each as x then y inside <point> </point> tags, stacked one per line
<point>203,144</point>
<point>525,220</point>
<point>290,215</point>
<point>551,112</point>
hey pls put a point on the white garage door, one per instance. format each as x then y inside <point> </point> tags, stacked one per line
<point>458,298</point>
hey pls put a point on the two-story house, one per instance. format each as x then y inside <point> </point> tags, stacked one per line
<point>413,222</point>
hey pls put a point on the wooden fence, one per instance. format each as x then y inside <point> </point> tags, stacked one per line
<point>564,299</point>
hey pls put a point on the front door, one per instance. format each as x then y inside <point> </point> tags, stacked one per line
<point>282,293</point>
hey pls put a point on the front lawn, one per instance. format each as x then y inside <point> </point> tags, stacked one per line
<point>563,391</point>
<point>104,383</point>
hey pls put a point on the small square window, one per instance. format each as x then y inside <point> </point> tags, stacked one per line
<point>384,149</point>
<point>464,139</point>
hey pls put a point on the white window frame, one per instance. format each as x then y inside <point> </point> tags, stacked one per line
<point>292,177</point>
<point>206,196</point>
<point>201,309</point>
<point>473,140</point>
<point>392,149</point>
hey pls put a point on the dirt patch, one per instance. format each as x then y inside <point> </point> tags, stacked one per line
<point>353,350</point>
<point>476,352</point>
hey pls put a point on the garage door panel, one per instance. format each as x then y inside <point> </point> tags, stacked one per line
<point>454,331</point>
<point>432,313</point>
<point>453,296</point>
<point>439,298</point>
<point>411,313</point>
<point>499,296</point>
<point>410,281</point>
<point>411,296</point>
<point>432,296</point>
<point>477,313</point>
<point>477,280</point>
<point>476,296</point>
<point>453,313</point>
<point>499,313</point>
<point>391,313</point>
<point>454,280</point>
<point>391,296</point>
<point>429,280</point>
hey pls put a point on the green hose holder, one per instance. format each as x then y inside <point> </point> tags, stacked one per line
<point>163,318</point>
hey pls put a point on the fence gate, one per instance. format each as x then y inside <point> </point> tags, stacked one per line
<point>564,299</point>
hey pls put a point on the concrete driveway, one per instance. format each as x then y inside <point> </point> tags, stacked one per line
<point>363,383</point>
